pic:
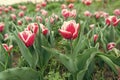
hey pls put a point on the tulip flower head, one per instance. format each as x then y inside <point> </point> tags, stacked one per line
<point>13,17</point>
<point>71,5</point>
<point>27,37</point>
<point>39,18</point>
<point>45,30</point>
<point>65,13</point>
<point>21,14</point>
<point>33,27</point>
<point>7,48</point>
<point>95,37</point>
<point>87,13</point>
<point>2,25</point>
<point>69,30</point>
<point>117,12</point>
<point>111,45</point>
<point>73,13</point>
<point>19,22</point>
<point>87,2</point>
<point>63,6</point>
<point>43,4</point>
<point>112,20</point>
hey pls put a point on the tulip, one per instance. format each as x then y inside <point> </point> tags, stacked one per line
<point>87,2</point>
<point>27,37</point>
<point>23,8</point>
<point>13,16</point>
<point>117,12</point>
<point>1,9</point>
<point>69,30</point>
<point>38,5</point>
<point>87,13</point>
<point>0,12</point>
<point>6,36</point>
<point>39,18</point>
<point>28,18</point>
<point>37,9</point>
<point>10,7</point>
<point>21,14</point>
<point>63,6</point>
<point>7,48</point>
<point>95,37</point>
<point>52,20</point>
<point>45,30</point>
<point>111,45</point>
<point>43,4</point>
<point>73,13</point>
<point>92,26</point>
<point>55,16</point>
<point>71,5</point>
<point>33,27</point>
<point>112,20</point>
<point>6,10</point>
<point>44,12</point>
<point>65,13</point>
<point>2,25</point>
<point>19,22</point>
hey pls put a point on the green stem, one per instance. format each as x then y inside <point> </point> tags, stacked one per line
<point>71,46</point>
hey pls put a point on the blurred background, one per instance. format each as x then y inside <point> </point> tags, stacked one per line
<point>9,2</point>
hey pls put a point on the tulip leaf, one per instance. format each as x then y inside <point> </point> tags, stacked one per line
<point>66,60</point>
<point>23,73</point>
<point>24,51</point>
<point>82,42</point>
<point>2,67</point>
<point>84,60</point>
<point>108,61</point>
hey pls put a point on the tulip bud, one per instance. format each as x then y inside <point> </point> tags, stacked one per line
<point>43,4</point>
<point>6,36</point>
<point>45,30</point>
<point>21,14</point>
<point>65,13</point>
<point>6,10</point>
<point>33,27</point>
<point>112,20</point>
<point>13,16</point>
<point>71,5</point>
<point>2,25</point>
<point>19,22</point>
<point>87,13</point>
<point>7,48</point>
<point>39,18</point>
<point>28,18</point>
<point>117,12</point>
<point>95,37</point>
<point>63,6</point>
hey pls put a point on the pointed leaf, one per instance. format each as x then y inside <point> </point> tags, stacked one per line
<point>23,73</point>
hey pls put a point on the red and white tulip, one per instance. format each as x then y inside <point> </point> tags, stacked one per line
<point>69,29</point>
<point>27,37</point>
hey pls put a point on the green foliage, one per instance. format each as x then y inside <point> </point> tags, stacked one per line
<point>23,73</point>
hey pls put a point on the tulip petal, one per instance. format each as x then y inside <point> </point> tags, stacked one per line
<point>70,28</point>
<point>30,40</point>
<point>65,34</point>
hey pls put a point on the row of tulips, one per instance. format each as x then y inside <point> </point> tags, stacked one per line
<point>78,45</point>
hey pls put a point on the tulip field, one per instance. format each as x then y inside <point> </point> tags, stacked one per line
<point>60,40</point>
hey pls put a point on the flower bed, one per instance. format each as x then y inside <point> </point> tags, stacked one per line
<point>60,41</point>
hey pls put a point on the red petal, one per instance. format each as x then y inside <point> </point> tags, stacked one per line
<point>30,40</point>
<point>5,47</point>
<point>65,34</point>
<point>70,27</point>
